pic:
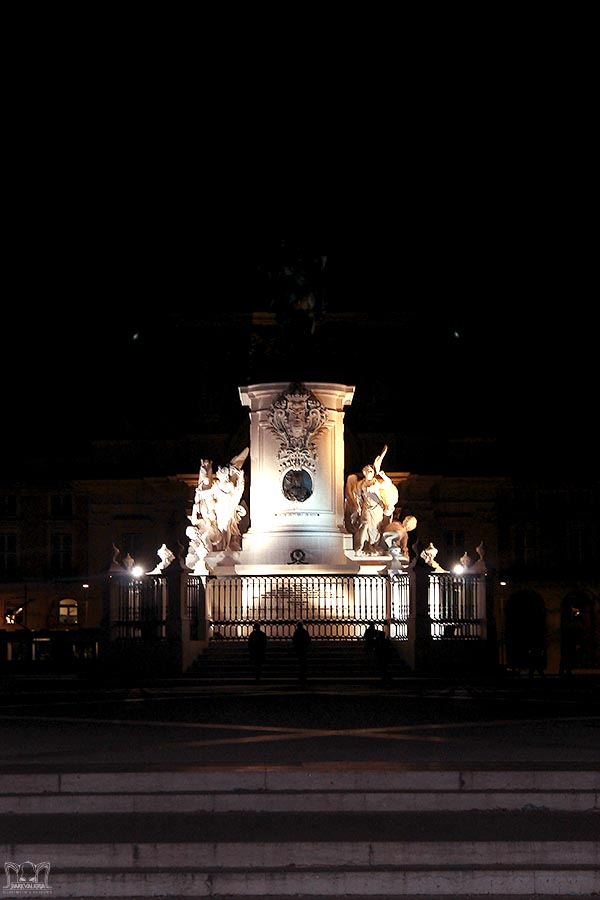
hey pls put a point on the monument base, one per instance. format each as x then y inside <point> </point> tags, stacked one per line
<point>291,553</point>
<point>292,571</point>
<point>299,547</point>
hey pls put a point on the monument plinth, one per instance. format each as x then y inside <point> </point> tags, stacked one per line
<point>296,480</point>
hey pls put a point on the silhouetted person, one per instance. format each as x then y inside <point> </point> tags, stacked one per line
<point>571,637</point>
<point>257,648</point>
<point>536,657</point>
<point>384,653</point>
<point>370,636</point>
<point>301,641</point>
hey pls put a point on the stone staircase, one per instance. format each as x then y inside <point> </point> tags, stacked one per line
<point>306,832</point>
<point>334,662</point>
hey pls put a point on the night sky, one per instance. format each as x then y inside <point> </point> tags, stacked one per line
<point>438,339</point>
<point>451,214</point>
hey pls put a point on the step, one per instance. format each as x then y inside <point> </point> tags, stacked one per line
<point>229,663</point>
<point>299,790</point>
<point>525,883</point>
<point>305,832</point>
<point>525,854</point>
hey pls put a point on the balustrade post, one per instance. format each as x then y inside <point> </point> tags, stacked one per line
<point>204,611</point>
<point>388,606</point>
<point>111,606</point>
<point>176,575</point>
<point>491,624</point>
<point>419,621</point>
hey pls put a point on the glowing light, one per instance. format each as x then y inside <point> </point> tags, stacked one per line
<point>137,571</point>
<point>11,615</point>
<point>458,569</point>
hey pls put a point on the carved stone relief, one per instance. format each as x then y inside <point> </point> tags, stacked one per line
<point>296,417</point>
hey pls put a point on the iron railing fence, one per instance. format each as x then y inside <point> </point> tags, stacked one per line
<point>337,607</point>
<point>399,611</point>
<point>139,608</point>
<point>194,606</point>
<point>457,606</point>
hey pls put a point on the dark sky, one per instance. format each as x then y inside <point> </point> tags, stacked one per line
<point>451,201</point>
<point>488,340</point>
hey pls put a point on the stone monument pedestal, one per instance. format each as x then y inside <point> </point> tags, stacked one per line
<point>296,482</point>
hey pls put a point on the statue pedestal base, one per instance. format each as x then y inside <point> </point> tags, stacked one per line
<point>322,550</point>
<point>296,571</point>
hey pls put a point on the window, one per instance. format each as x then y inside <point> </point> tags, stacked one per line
<point>67,612</point>
<point>61,554</point>
<point>576,542</point>
<point>8,506</point>
<point>61,506</point>
<point>18,651</point>
<point>42,650</point>
<point>527,546</point>
<point>454,546</point>
<point>8,555</point>
<point>13,615</point>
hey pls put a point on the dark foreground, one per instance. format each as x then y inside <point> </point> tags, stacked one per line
<point>413,722</point>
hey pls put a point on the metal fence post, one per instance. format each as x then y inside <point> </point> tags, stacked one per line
<point>419,618</point>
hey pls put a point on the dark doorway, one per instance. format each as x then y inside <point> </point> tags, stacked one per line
<point>525,630</point>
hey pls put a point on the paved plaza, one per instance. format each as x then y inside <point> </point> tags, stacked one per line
<point>422,788</point>
<point>432,723</point>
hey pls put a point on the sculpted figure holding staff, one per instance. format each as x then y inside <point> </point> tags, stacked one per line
<point>370,501</point>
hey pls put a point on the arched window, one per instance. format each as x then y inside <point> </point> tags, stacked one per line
<point>67,612</point>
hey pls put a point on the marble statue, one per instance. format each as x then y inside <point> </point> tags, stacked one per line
<point>370,501</point>
<point>465,561</point>
<point>395,534</point>
<point>479,567</point>
<point>202,532</point>
<point>429,555</point>
<point>217,511</point>
<point>116,565</point>
<point>166,557</point>
<point>225,500</point>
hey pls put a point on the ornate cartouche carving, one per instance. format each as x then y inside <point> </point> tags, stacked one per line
<point>296,417</point>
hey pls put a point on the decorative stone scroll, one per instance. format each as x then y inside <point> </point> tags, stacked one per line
<point>296,416</point>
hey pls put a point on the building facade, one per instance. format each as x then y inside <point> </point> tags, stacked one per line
<point>60,539</point>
